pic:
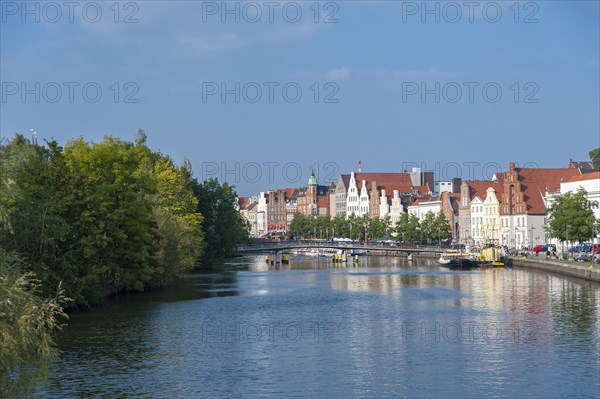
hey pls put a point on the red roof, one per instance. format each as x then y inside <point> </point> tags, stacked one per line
<point>586,176</point>
<point>383,178</point>
<point>291,192</point>
<point>478,188</point>
<point>583,166</point>
<point>390,187</point>
<point>422,189</point>
<point>243,202</point>
<point>535,182</point>
<point>423,200</point>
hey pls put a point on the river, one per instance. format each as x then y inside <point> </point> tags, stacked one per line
<point>387,327</point>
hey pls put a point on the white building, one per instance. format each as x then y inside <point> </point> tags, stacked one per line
<point>364,205</point>
<point>396,209</point>
<point>353,197</point>
<point>421,208</point>
<point>590,182</point>
<point>262,226</point>
<point>249,214</point>
<point>384,207</point>
<point>491,217</point>
<point>357,199</point>
<point>442,187</point>
<point>477,236</point>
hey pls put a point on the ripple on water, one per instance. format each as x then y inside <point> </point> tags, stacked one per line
<point>384,331</point>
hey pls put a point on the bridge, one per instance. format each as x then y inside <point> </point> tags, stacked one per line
<point>284,246</point>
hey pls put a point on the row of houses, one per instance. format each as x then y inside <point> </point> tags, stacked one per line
<point>509,209</point>
<point>373,194</point>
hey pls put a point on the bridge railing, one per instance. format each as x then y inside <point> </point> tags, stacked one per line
<point>333,244</point>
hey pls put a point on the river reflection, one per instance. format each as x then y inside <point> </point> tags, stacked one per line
<point>385,327</point>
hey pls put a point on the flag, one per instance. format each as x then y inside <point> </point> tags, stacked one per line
<point>359,165</point>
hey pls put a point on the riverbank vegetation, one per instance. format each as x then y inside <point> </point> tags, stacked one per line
<point>571,217</point>
<point>89,221</point>
<point>27,323</point>
<point>595,157</point>
<point>110,217</point>
<point>433,227</point>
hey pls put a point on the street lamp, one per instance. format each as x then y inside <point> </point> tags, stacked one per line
<point>566,240</point>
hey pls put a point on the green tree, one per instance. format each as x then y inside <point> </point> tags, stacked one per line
<point>224,228</point>
<point>428,226</point>
<point>27,324</point>
<point>595,156</point>
<point>178,230</point>
<point>340,227</point>
<point>298,225</point>
<point>355,224</point>
<point>111,213</point>
<point>100,218</point>
<point>33,186</point>
<point>440,229</point>
<point>408,228</point>
<point>571,217</point>
<point>322,226</point>
<point>379,228</point>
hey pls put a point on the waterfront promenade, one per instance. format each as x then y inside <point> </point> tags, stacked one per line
<point>568,267</point>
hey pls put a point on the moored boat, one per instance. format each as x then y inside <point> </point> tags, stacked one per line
<point>448,256</point>
<point>463,263</point>
<point>492,256</point>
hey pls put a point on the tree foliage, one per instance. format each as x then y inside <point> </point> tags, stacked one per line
<point>595,156</point>
<point>408,228</point>
<point>27,323</point>
<point>178,230</point>
<point>92,220</point>
<point>223,227</point>
<point>571,217</point>
<point>100,218</point>
<point>435,227</point>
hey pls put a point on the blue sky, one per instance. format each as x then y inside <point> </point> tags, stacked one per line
<point>362,68</point>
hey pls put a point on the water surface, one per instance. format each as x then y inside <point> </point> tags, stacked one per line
<point>386,328</point>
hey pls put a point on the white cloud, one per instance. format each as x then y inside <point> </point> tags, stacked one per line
<point>339,74</point>
<point>203,44</point>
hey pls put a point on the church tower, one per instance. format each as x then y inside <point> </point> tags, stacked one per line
<point>311,194</point>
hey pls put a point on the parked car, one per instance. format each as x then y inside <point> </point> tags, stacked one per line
<point>544,248</point>
<point>585,247</point>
